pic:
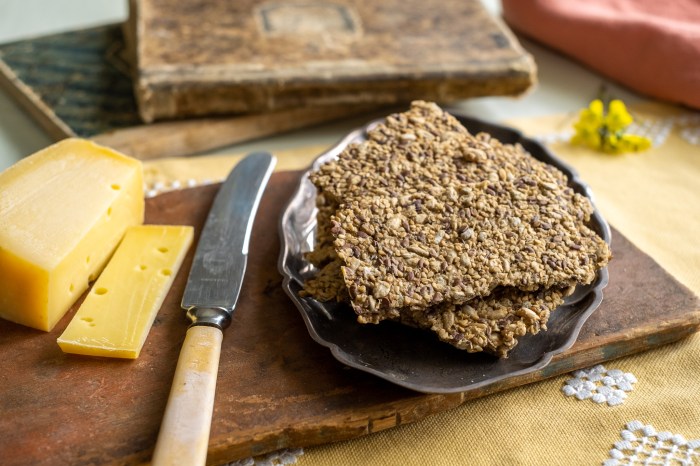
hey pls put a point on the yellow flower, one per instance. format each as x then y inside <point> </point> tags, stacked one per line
<point>618,118</point>
<point>634,143</point>
<point>588,125</point>
<point>605,131</point>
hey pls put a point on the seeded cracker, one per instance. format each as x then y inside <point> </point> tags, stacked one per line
<point>430,213</point>
<point>324,250</point>
<point>423,146</point>
<point>491,324</point>
<point>418,250</point>
<point>431,222</point>
<point>327,284</point>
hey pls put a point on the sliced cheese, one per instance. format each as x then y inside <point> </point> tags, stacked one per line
<point>63,210</point>
<point>117,314</point>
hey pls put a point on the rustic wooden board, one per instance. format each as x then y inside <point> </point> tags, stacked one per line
<point>216,56</point>
<point>78,83</point>
<point>276,388</point>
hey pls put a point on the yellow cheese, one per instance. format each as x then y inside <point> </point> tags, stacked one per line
<point>63,211</point>
<point>118,312</point>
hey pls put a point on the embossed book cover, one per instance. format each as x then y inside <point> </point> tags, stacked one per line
<point>204,57</point>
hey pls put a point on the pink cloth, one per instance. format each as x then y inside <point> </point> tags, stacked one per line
<point>652,46</point>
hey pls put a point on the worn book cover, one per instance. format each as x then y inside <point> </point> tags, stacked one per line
<point>78,83</point>
<point>204,57</point>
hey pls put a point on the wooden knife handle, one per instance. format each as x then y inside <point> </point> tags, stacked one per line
<point>184,432</point>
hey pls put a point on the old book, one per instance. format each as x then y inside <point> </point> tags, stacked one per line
<point>78,83</point>
<point>205,57</point>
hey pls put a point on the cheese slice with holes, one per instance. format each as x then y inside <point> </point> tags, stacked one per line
<point>118,312</point>
<point>63,211</point>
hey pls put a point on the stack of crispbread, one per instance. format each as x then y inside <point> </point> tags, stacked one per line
<point>431,226</point>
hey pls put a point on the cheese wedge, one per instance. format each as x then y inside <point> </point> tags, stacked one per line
<point>118,312</point>
<point>63,210</point>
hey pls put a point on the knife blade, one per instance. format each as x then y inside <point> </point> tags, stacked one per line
<point>213,287</point>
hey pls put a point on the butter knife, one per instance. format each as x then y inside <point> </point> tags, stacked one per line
<point>210,297</point>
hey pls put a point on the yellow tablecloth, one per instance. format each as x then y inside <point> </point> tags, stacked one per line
<point>653,198</point>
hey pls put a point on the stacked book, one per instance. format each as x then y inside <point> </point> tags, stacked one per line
<point>184,77</point>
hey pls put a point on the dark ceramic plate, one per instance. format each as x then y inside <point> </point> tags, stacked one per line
<point>415,358</point>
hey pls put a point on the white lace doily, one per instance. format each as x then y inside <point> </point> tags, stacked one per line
<point>642,445</point>
<point>600,385</point>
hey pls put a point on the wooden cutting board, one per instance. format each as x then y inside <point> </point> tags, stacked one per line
<point>277,388</point>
